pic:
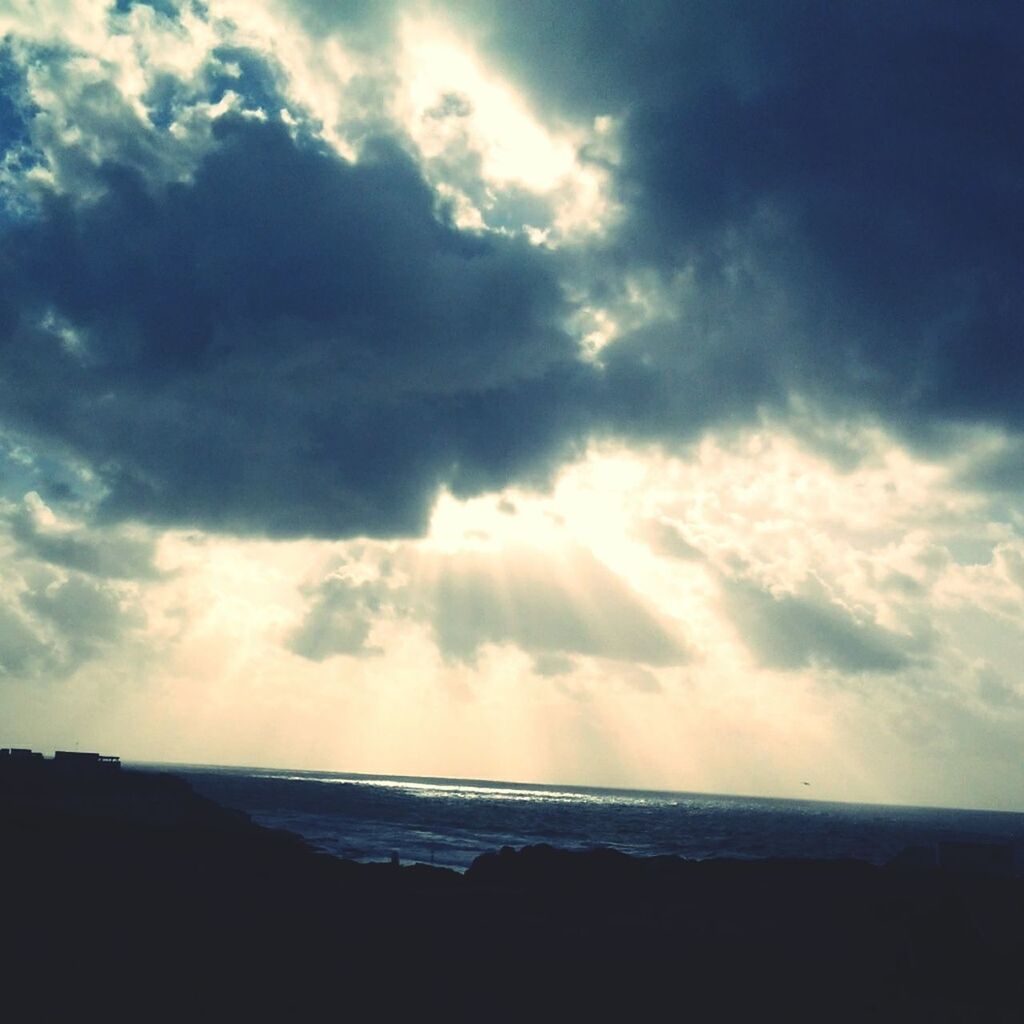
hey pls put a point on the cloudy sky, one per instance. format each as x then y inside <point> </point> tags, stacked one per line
<point>615,393</point>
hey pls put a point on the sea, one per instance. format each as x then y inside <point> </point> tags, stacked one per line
<point>450,822</point>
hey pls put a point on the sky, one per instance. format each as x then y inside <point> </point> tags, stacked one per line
<point>612,393</point>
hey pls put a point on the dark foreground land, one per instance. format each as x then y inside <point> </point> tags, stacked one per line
<point>126,895</point>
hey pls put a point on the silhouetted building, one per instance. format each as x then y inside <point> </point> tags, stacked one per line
<point>20,754</point>
<point>83,761</point>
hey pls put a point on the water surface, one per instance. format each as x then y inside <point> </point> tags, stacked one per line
<point>449,822</point>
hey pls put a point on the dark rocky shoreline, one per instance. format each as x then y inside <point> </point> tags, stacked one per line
<point>128,895</point>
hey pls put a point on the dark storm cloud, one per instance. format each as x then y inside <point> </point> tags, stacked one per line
<point>83,611</point>
<point>288,344</point>
<point>22,650</point>
<point>553,665</point>
<point>56,624</point>
<point>338,621</point>
<point>997,472</point>
<point>13,129</point>
<point>665,539</point>
<point>996,692</point>
<point>842,181</point>
<point>365,25</point>
<point>796,631</point>
<point>107,554</point>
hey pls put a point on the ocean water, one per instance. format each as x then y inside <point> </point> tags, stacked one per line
<point>449,822</point>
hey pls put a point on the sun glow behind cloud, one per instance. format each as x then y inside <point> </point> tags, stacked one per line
<point>513,147</point>
<point>456,110</point>
<point>675,532</point>
<point>318,72</point>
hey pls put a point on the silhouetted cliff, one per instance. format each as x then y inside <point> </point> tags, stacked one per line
<point>128,895</point>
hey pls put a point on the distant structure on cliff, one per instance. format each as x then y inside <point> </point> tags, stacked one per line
<point>84,762</point>
<point>19,755</point>
<point>65,760</point>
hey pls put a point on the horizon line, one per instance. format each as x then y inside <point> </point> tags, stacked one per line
<point>467,780</point>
